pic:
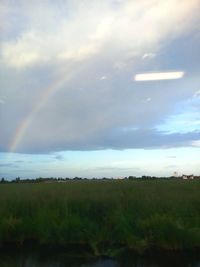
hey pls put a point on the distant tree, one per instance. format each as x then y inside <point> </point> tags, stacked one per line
<point>131,177</point>
<point>17,180</point>
<point>77,178</point>
<point>2,180</point>
<point>39,179</point>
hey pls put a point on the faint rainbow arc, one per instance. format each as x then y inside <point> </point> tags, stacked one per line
<point>24,125</point>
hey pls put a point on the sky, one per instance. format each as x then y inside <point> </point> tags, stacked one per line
<point>70,102</point>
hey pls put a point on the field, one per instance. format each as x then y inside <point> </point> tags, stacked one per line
<point>138,214</point>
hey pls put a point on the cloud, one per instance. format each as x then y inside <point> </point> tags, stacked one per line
<point>191,122</point>
<point>197,94</point>
<point>104,77</point>
<point>23,52</point>
<point>90,28</point>
<point>120,65</point>
<point>148,56</point>
<point>6,164</point>
<point>149,139</point>
<point>148,99</point>
<point>59,157</point>
<point>45,43</point>
<point>195,143</point>
<point>10,165</point>
<point>108,139</point>
<point>2,100</point>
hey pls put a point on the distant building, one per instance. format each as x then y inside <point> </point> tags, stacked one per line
<point>188,177</point>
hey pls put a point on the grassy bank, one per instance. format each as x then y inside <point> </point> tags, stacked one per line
<point>103,214</point>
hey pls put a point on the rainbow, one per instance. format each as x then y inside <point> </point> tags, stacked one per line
<point>25,124</point>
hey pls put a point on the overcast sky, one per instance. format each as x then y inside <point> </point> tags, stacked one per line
<point>69,102</point>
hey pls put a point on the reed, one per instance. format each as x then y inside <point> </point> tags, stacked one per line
<point>138,214</point>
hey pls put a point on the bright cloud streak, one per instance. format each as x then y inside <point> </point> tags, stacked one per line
<point>159,76</point>
<point>195,143</point>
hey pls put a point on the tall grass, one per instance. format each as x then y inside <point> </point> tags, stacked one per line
<point>135,214</point>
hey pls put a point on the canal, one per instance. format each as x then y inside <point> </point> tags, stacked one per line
<point>38,258</point>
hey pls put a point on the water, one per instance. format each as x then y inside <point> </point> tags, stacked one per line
<point>62,259</point>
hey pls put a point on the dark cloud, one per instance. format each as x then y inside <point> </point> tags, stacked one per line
<point>87,112</point>
<point>8,165</point>
<point>113,139</point>
<point>149,139</point>
<point>59,157</point>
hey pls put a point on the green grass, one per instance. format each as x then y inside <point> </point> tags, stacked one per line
<point>137,214</point>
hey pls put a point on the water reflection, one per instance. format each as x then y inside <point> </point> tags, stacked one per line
<point>38,259</point>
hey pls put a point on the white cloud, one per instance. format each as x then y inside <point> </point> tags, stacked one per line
<point>20,55</point>
<point>148,99</point>
<point>196,94</point>
<point>195,143</point>
<point>91,28</point>
<point>103,29</point>
<point>119,65</point>
<point>104,77</point>
<point>189,122</point>
<point>148,56</point>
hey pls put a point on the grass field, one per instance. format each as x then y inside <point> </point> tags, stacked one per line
<point>138,214</point>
